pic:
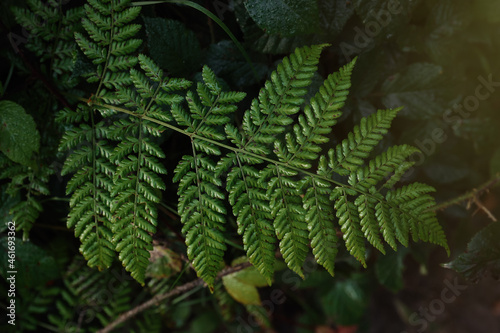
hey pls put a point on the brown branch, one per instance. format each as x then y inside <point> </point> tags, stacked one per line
<point>159,298</point>
<point>471,195</point>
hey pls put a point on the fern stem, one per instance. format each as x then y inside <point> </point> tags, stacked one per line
<point>231,148</point>
<point>245,152</point>
<point>110,46</point>
<point>94,176</point>
<point>473,194</point>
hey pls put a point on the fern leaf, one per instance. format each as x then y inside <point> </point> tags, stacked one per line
<point>319,217</point>
<point>349,154</point>
<point>200,201</point>
<point>349,222</point>
<point>248,198</point>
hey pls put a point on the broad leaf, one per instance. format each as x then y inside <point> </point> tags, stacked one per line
<point>284,17</point>
<point>416,89</point>
<point>173,46</point>
<point>19,138</point>
<point>482,257</point>
<point>242,285</point>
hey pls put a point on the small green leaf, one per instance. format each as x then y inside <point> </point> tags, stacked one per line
<point>240,291</point>
<point>242,285</point>
<point>19,137</point>
<point>285,17</point>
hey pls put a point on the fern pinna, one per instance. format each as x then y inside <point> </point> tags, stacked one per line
<point>283,189</point>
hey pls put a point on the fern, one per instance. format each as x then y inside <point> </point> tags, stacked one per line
<point>50,35</point>
<point>281,186</point>
<point>200,198</point>
<point>31,184</point>
<point>263,188</point>
<point>91,160</point>
<point>136,184</point>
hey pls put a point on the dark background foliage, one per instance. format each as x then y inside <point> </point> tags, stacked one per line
<point>438,59</point>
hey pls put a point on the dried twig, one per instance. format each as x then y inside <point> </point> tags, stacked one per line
<point>161,297</point>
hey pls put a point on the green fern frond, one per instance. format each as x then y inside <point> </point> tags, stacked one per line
<point>319,217</point>
<point>30,183</point>
<point>51,31</point>
<point>136,183</point>
<point>351,152</point>
<point>111,44</point>
<point>200,198</point>
<point>90,188</point>
<point>268,116</point>
<point>271,188</point>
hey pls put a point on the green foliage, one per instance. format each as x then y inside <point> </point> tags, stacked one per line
<point>20,143</point>
<point>292,165</point>
<point>184,50</point>
<point>19,138</point>
<point>482,258</point>
<point>91,214</point>
<point>293,16</point>
<point>273,194</point>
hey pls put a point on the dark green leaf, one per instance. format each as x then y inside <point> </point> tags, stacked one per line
<point>389,269</point>
<point>19,138</point>
<point>284,17</point>
<point>173,46</point>
<point>416,89</point>
<point>482,257</point>
<point>346,302</point>
<point>226,61</point>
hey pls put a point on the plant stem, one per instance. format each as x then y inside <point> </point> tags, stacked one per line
<point>161,297</point>
<point>473,194</point>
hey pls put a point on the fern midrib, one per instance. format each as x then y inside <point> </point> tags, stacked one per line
<point>207,114</point>
<point>276,107</point>
<point>110,47</point>
<point>137,175</point>
<point>242,151</point>
<point>254,217</point>
<point>318,205</point>
<point>324,111</point>
<point>200,201</point>
<point>139,157</point>
<point>94,183</point>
